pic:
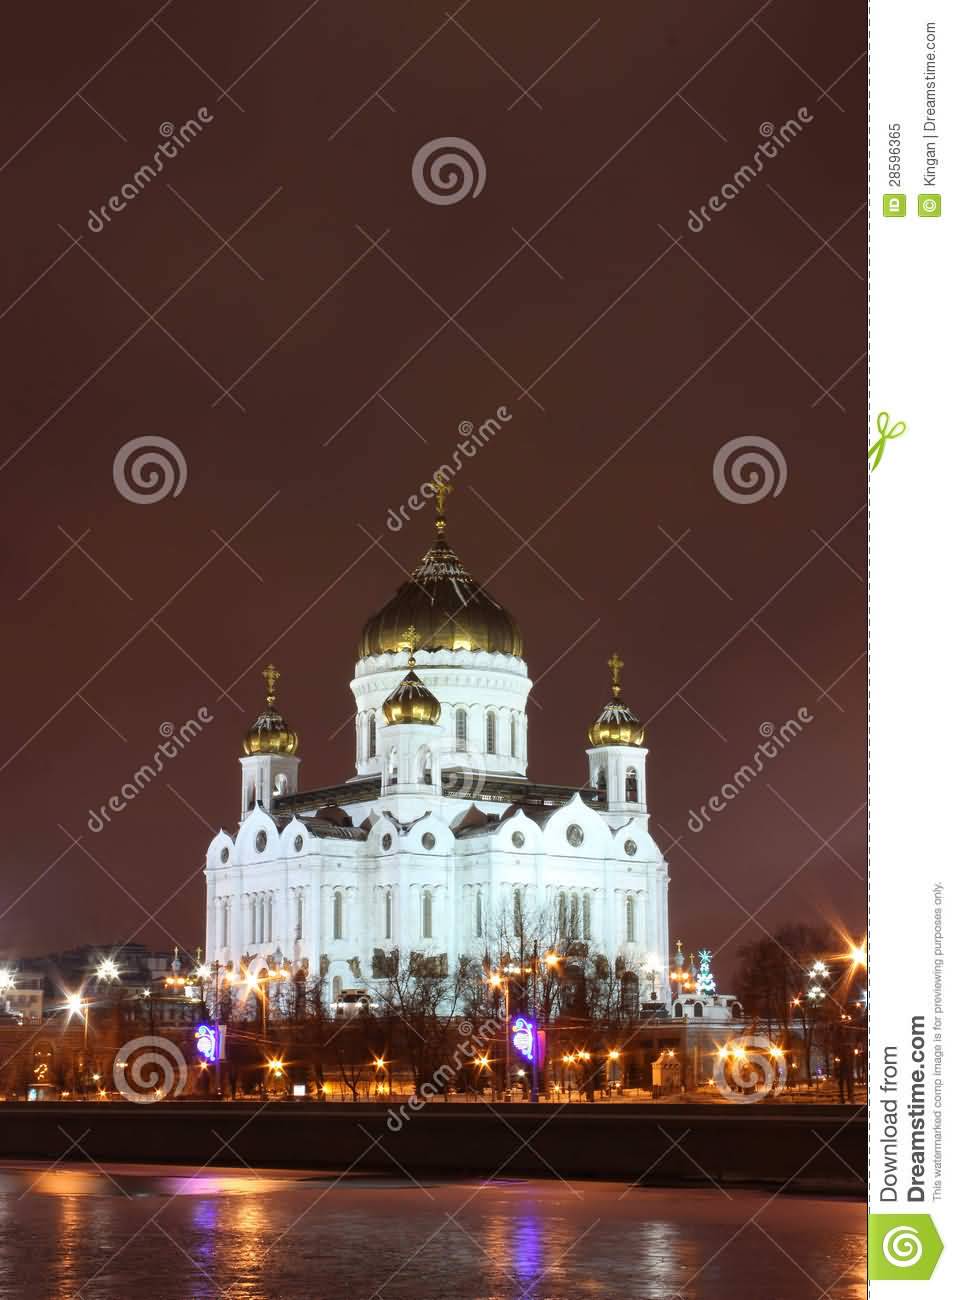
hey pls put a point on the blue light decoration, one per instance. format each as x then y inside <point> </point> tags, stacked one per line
<point>523,1037</point>
<point>208,1042</point>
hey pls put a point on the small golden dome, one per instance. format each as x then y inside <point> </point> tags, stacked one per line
<point>443,600</point>
<point>270,733</point>
<point>412,701</point>
<point>616,724</point>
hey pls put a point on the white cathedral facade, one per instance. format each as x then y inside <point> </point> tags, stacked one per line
<point>439,845</point>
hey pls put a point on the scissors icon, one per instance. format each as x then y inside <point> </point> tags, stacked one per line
<point>887,431</point>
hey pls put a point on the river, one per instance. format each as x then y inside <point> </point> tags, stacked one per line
<point>122,1231</point>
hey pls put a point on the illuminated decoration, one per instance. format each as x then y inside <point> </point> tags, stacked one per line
<point>523,1037</point>
<point>706,984</point>
<point>210,1042</point>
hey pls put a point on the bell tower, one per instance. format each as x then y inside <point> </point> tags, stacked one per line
<point>270,765</point>
<point>616,758</point>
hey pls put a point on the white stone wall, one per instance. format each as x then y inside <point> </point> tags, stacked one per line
<point>274,895</point>
<point>479,682</point>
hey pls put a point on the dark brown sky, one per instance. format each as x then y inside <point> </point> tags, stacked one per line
<point>643,357</point>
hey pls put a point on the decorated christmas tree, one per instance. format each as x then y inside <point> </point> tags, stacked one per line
<point>706,984</point>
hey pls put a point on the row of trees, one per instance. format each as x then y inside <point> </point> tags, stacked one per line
<point>806,986</point>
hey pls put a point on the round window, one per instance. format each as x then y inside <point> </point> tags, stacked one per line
<point>631,848</point>
<point>261,842</point>
<point>428,840</point>
<point>518,839</point>
<point>387,842</point>
<point>298,843</point>
<point>224,855</point>
<point>574,835</point>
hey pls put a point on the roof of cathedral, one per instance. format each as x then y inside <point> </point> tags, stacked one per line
<point>445,604</point>
<point>270,733</point>
<point>616,724</point>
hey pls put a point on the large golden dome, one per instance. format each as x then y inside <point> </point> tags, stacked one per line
<point>449,610</point>
<point>270,733</point>
<point>616,724</point>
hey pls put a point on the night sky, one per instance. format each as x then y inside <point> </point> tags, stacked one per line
<point>312,379</point>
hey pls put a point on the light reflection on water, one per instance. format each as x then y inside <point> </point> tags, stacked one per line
<point>162,1234</point>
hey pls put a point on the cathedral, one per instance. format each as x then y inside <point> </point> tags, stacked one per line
<point>439,847</point>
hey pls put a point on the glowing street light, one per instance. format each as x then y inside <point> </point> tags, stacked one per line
<point>204,972</point>
<point>858,955</point>
<point>77,1005</point>
<point>7,979</point>
<point>108,971</point>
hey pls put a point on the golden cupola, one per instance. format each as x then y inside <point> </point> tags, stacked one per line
<point>270,733</point>
<point>412,701</point>
<point>449,609</point>
<point>616,724</point>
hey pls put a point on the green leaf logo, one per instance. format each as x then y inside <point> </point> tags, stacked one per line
<point>902,1247</point>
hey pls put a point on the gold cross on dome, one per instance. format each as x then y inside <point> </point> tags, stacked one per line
<point>441,490</point>
<point>616,665</point>
<point>272,675</point>
<point>410,637</point>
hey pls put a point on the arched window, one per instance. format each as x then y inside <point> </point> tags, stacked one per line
<point>630,919</point>
<point>601,782</point>
<point>698,1010</point>
<point>516,911</point>
<point>427,914</point>
<point>586,916</point>
<point>388,913</point>
<point>563,915</point>
<point>337,988</point>
<point>461,730</point>
<point>631,786</point>
<point>478,913</point>
<point>393,773</point>
<point>370,723</point>
<point>514,735</point>
<point>337,915</point>
<point>576,909</point>
<point>299,909</point>
<point>490,732</point>
<point>679,1010</point>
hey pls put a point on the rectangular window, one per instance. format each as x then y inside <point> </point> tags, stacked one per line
<point>490,732</point>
